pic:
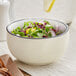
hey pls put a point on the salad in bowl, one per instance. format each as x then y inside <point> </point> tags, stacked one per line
<point>33,29</point>
<point>37,41</point>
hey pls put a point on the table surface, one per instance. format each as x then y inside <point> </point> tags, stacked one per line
<point>66,66</point>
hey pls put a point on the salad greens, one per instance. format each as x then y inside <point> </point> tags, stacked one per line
<point>32,29</point>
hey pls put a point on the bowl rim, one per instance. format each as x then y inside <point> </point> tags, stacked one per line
<point>66,30</point>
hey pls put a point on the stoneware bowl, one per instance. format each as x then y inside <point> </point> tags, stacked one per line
<point>39,51</point>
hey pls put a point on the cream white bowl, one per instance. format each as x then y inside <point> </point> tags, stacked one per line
<point>40,51</point>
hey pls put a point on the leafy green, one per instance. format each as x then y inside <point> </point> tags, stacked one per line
<point>47,29</point>
<point>15,31</point>
<point>21,33</point>
<point>18,29</point>
<point>47,22</point>
<point>49,34</point>
<point>36,23</point>
<point>25,36</point>
<point>26,24</point>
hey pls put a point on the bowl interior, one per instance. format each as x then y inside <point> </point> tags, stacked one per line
<point>20,23</point>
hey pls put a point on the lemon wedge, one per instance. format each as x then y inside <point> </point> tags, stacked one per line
<point>48,4</point>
